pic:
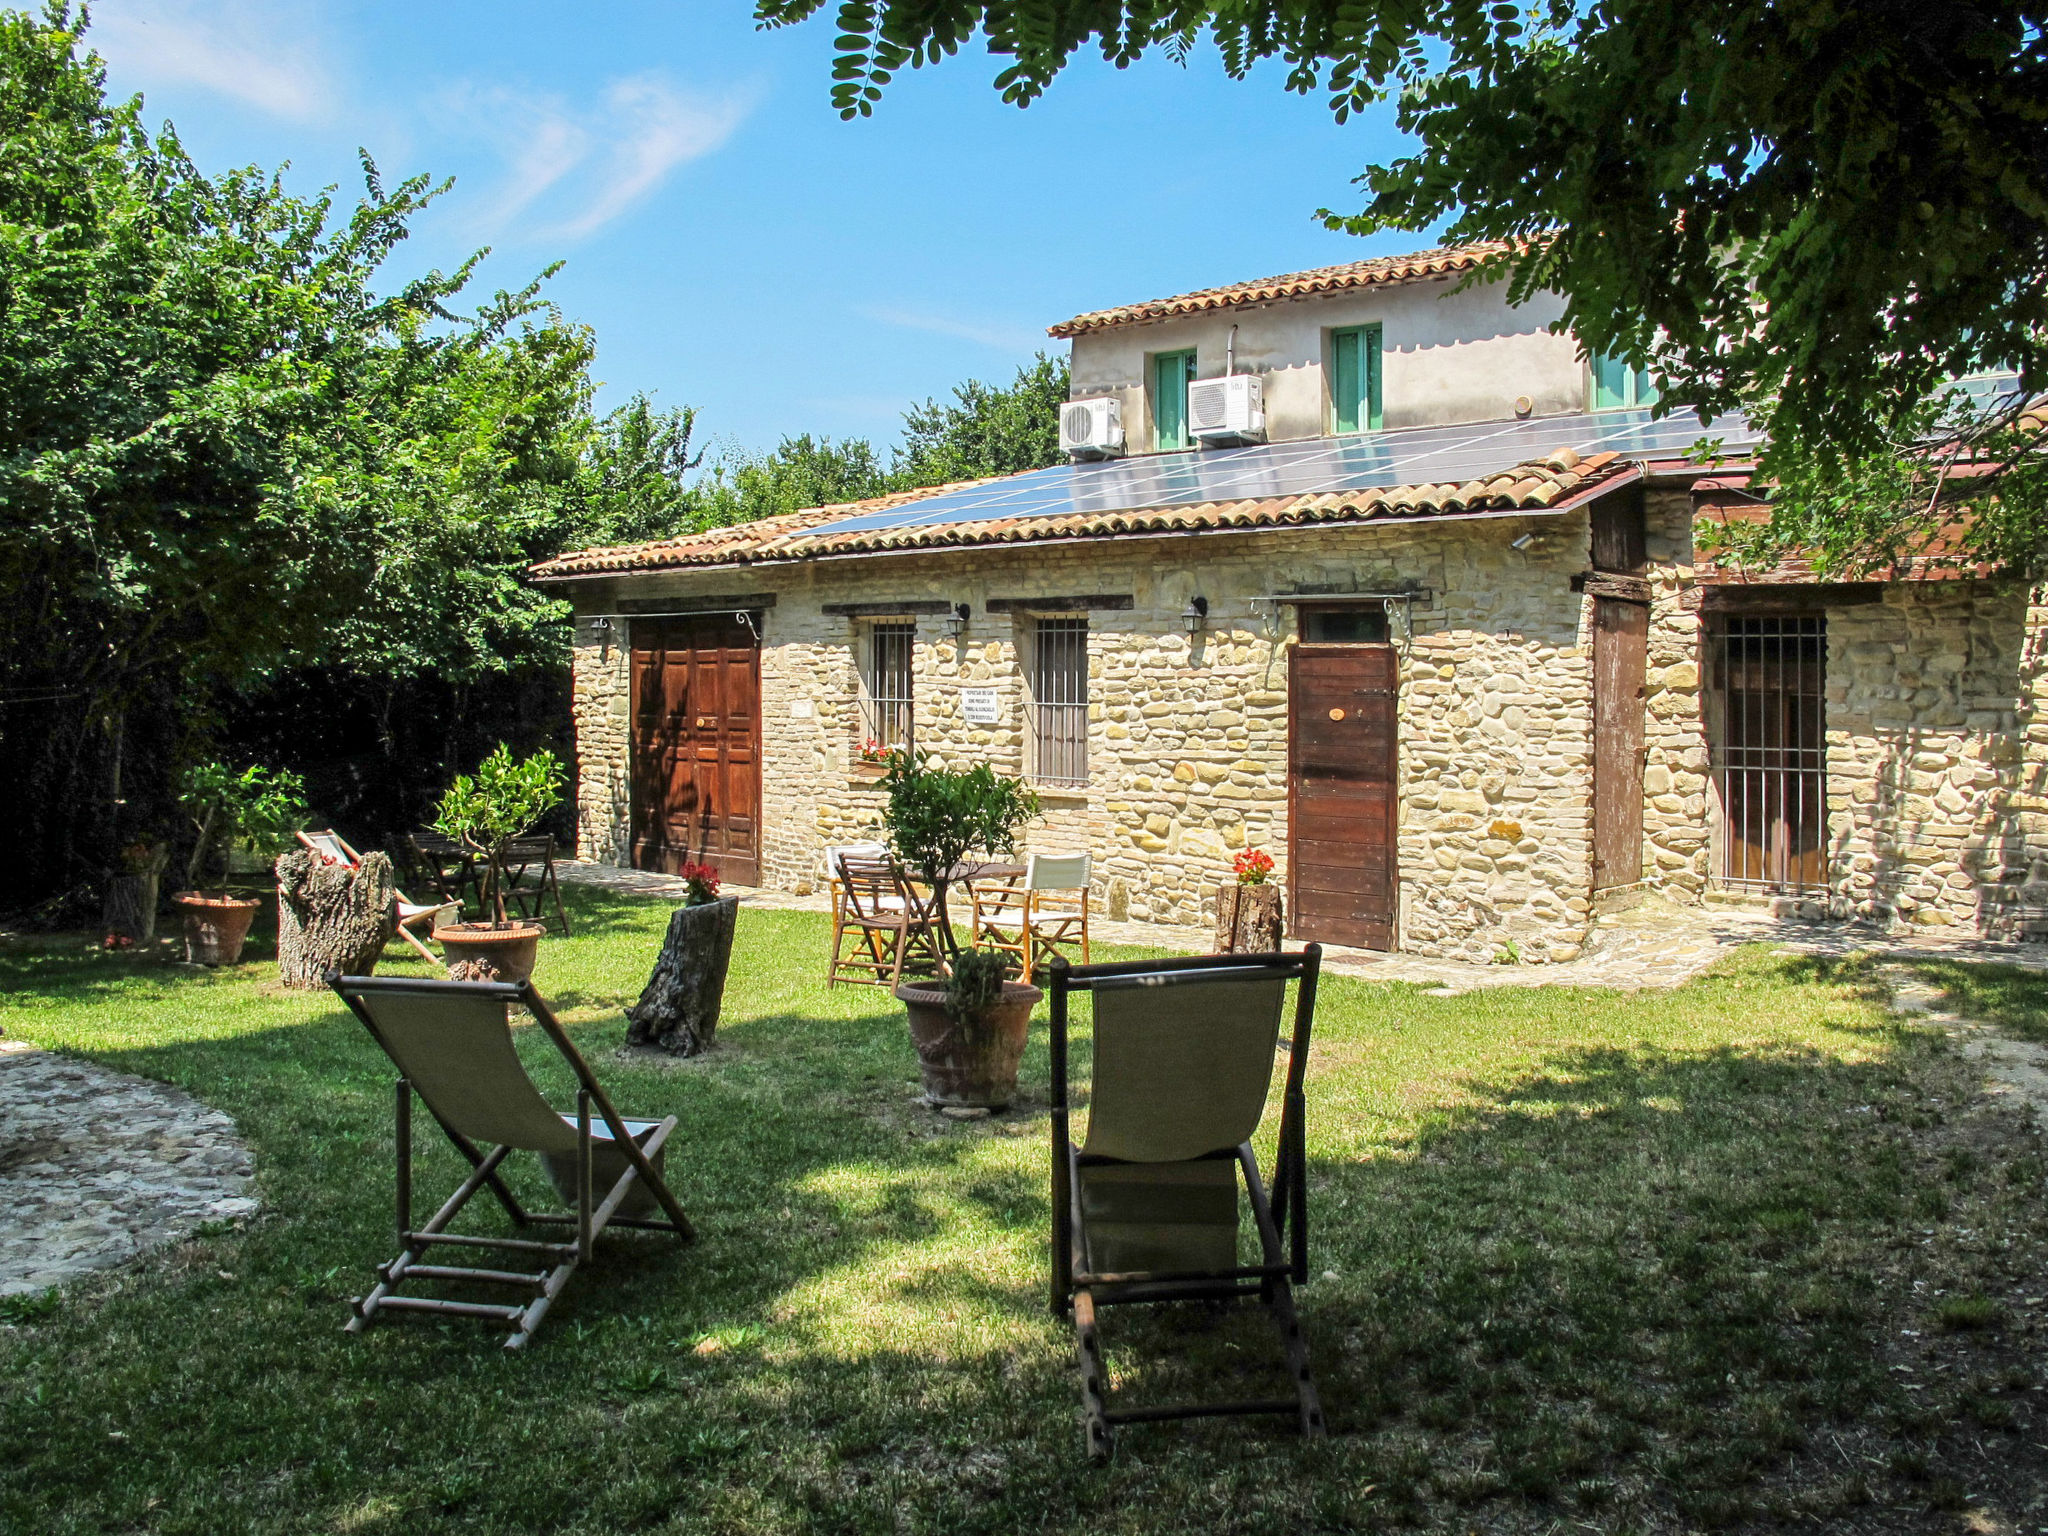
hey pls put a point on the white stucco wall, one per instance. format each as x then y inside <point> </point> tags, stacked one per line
<point>1447,357</point>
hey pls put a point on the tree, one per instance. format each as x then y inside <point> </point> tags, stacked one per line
<point>986,430</point>
<point>1813,212</point>
<point>802,472</point>
<point>245,468</point>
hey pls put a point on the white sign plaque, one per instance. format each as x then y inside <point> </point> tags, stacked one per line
<point>979,706</point>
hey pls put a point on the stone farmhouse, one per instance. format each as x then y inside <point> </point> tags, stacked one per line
<point>1389,581</point>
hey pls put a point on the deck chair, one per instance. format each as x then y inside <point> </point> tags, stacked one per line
<point>1034,919</point>
<point>1146,1209</point>
<point>883,928</point>
<point>328,844</point>
<point>452,1045</point>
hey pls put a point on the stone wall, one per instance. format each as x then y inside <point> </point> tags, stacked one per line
<point>1935,816</point>
<point>1937,749</point>
<point>1187,735</point>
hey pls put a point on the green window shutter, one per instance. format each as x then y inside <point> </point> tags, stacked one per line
<point>1616,385</point>
<point>1355,379</point>
<point>1171,373</point>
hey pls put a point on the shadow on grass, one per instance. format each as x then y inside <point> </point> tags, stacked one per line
<point>1624,1284</point>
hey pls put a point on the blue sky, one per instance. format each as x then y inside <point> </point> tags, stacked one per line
<point>735,245</point>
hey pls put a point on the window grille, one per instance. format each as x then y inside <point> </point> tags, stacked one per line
<point>1059,687</point>
<point>887,711</point>
<point>1770,752</point>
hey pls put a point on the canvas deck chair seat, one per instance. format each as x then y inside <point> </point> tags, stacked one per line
<point>452,1044</point>
<point>329,845</point>
<point>1146,1208</point>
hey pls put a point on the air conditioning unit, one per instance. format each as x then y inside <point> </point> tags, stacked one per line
<point>1227,410</point>
<point>1092,429</point>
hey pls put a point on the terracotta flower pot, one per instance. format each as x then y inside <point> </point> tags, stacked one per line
<point>972,1065</point>
<point>510,950</point>
<point>216,927</point>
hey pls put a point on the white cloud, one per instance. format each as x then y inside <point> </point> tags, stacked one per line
<point>269,56</point>
<point>582,167</point>
<point>1004,338</point>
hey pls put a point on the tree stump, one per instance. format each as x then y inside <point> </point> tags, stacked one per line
<point>331,917</point>
<point>128,910</point>
<point>1249,919</point>
<point>678,1011</point>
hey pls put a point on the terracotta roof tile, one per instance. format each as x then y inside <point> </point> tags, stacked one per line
<point>1380,271</point>
<point>1533,486</point>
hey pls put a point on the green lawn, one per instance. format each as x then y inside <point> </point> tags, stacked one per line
<point>1745,1252</point>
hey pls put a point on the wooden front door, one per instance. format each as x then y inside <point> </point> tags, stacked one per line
<point>1621,638</point>
<point>1342,801</point>
<point>696,768</point>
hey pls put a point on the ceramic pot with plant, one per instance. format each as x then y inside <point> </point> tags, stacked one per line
<point>678,1009</point>
<point>256,811</point>
<point>969,1030</point>
<point>502,801</point>
<point>1250,916</point>
<point>938,816</point>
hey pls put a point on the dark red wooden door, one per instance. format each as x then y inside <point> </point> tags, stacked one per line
<point>696,767</point>
<point>1342,799</point>
<point>1621,637</point>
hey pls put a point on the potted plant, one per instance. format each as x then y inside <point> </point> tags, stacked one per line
<point>1249,914</point>
<point>969,1030</point>
<point>678,1010</point>
<point>870,760</point>
<point>937,816</point>
<point>256,809</point>
<point>505,799</point>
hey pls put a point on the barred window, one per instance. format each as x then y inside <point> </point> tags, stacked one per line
<point>886,712</point>
<point>1059,688</point>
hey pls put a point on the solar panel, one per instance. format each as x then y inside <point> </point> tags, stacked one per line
<point>1365,461</point>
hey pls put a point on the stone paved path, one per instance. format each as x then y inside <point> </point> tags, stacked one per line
<point>97,1167</point>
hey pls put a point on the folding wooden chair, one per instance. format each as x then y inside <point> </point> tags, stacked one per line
<point>448,869</point>
<point>883,926</point>
<point>1146,1209</point>
<point>530,884</point>
<point>452,1045</point>
<point>1032,920</point>
<point>329,845</point>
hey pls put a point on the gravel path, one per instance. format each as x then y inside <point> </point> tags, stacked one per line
<point>97,1168</point>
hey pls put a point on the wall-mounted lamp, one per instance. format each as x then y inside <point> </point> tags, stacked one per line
<point>1523,542</point>
<point>956,621</point>
<point>1195,615</point>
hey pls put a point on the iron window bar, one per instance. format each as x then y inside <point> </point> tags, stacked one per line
<point>888,705</point>
<point>1769,756</point>
<point>1059,687</point>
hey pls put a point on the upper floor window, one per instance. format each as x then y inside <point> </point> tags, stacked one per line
<point>1171,374</point>
<point>1355,379</point>
<point>1617,386</point>
<point>886,704</point>
<point>1059,695</point>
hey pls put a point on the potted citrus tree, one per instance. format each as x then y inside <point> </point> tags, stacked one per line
<point>503,800</point>
<point>969,1030</point>
<point>938,816</point>
<point>256,810</point>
